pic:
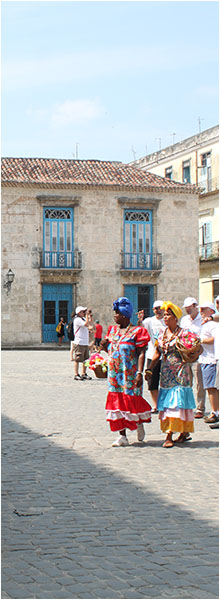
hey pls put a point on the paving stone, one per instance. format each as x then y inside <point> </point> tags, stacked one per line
<point>107,593</point>
<point>132,594</point>
<point>116,523</point>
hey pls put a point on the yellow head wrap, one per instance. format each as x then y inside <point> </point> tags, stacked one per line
<point>175,309</point>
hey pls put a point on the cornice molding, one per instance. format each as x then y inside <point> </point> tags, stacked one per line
<point>52,198</point>
<point>140,202</point>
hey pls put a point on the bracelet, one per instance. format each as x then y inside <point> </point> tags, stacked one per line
<point>149,371</point>
<point>140,372</point>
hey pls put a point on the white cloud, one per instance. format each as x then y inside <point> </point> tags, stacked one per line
<point>72,112</point>
<point>69,112</point>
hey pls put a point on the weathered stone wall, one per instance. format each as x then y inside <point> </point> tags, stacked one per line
<point>98,234</point>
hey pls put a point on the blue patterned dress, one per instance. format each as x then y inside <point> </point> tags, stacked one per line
<point>125,405</point>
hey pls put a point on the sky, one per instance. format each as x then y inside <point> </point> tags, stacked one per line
<point>106,80</point>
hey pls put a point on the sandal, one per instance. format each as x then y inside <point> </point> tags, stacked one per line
<point>183,437</point>
<point>78,378</point>
<point>168,444</point>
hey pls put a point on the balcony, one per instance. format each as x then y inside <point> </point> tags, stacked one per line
<point>61,260</point>
<point>209,251</point>
<point>135,261</point>
<point>209,185</point>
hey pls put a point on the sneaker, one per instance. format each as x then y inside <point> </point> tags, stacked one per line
<point>85,376</point>
<point>78,378</point>
<point>211,419</point>
<point>121,441</point>
<point>140,432</point>
<point>214,426</point>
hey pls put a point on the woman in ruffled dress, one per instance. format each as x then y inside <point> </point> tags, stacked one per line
<point>176,400</point>
<point>126,345</point>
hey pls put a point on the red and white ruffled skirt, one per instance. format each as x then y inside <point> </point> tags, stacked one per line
<point>126,412</point>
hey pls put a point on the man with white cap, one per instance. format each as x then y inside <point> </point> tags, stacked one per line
<point>214,317</point>
<point>208,360</point>
<point>81,341</point>
<point>153,325</point>
<point>193,321</point>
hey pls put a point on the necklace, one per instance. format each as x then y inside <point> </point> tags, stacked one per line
<point>166,341</point>
<point>121,337</point>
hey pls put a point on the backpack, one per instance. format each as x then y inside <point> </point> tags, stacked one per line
<point>70,332</point>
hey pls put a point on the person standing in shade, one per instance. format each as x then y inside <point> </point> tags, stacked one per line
<point>60,331</point>
<point>81,341</point>
<point>153,325</point>
<point>193,321</point>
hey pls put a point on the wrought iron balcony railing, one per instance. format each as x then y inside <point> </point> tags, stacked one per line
<point>61,260</point>
<point>140,261</point>
<point>209,185</point>
<point>209,251</point>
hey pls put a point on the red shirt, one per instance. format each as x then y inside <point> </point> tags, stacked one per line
<point>98,330</point>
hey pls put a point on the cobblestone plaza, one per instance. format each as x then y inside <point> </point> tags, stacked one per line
<point>81,519</point>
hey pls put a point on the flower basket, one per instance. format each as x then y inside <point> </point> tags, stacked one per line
<point>100,373</point>
<point>98,364</point>
<point>189,354</point>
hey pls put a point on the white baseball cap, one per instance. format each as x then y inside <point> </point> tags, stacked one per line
<point>189,301</point>
<point>157,303</point>
<point>208,305</point>
<point>79,308</point>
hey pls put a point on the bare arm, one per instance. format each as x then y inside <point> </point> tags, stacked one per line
<point>214,318</point>
<point>155,359</point>
<point>104,345</point>
<point>139,375</point>
<point>140,317</point>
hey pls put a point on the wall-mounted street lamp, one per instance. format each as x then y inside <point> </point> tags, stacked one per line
<point>9,278</point>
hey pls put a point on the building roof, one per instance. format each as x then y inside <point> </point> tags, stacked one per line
<point>185,146</point>
<point>47,172</point>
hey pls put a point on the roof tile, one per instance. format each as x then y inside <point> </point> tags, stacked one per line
<point>53,171</point>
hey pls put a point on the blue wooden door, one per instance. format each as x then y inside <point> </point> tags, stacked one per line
<point>56,303</point>
<point>142,297</point>
<point>131,292</point>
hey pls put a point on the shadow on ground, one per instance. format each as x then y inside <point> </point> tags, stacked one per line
<point>72,529</point>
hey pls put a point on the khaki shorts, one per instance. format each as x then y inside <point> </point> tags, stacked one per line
<point>81,353</point>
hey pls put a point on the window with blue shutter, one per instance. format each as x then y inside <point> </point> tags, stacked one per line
<point>138,239</point>
<point>58,238</point>
<point>207,239</point>
<point>186,171</point>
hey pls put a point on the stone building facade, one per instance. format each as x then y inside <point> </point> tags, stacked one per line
<point>86,232</point>
<point>196,160</point>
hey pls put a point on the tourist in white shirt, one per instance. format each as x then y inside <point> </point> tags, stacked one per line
<point>81,341</point>
<point>153,325</point>
<point>208,361</point>
<point>193,321</point>
<point>216,333</point>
